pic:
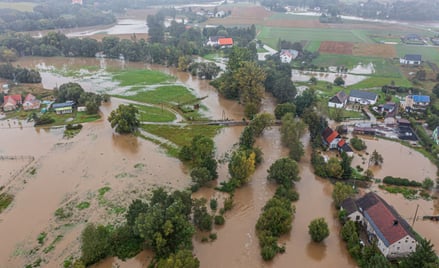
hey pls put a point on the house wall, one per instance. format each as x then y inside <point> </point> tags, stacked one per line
<point>333,144</point>
<point>362,101</point>
<point>356,217</point>
<point>285,59</point>
<point>335,105</point>
<point>9,107</point>
<point>402,248</point>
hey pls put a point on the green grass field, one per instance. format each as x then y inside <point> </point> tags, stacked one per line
<point>313,46</point>
<point>140,77</point>
<point>271,35</point>
<point>165,94</point>
<point>20,6</point>
<point>181,135</point>
<point>383,67</point>
<point>154,114</point>
<point>428,53</point>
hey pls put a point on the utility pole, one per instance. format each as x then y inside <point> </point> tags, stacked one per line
<point>416,213</point>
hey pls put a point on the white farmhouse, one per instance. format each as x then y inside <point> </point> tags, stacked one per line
<point>384,225</point>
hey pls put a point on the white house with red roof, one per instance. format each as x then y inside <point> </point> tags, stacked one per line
<point>31,102</point>
<point>393,235</point>
<point>287,55</point>
<point>333,140</point>
<point>11,102</point>
<point>220,41</point>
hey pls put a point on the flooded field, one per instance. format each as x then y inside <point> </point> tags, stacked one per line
<point>304,76</point>
<point>68,172</point>
<point>399,161</point>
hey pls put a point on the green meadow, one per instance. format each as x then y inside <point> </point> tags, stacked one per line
<point>138,77</point>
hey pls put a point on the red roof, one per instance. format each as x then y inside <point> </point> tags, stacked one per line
<point>29,97</point>
<point>16,98</point>
<point>387,223</point>
<point>341,143</point>
<point>331,137</point>
<point>225,41</point>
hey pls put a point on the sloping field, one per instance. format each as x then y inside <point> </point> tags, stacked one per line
<point>242,15</point>
<point>329,47</point>
<point>374,50</point>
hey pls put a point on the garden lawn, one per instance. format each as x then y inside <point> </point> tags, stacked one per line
<point>154,114</point>
<point>181,135</point>
<point>383,67</point>
<point>140,77</point>
<point>373,82</point>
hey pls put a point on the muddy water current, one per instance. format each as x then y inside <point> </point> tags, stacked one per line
<point>68,172</point>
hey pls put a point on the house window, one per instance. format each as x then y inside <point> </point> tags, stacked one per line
<point>357,218</point>
<point>397,248</point>
<point>410,247</point>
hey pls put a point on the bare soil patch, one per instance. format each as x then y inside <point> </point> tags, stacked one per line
<point>374,50</point>
<point>330,47</point>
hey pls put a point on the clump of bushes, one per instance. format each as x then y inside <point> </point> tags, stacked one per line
<point>401,181</point>
<point>274,221</point>
<point>358,144</point>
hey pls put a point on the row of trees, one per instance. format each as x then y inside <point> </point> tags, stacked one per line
<point>53,15</point>
<point>247,80</point>
<point>397,10</point>
<point>18,74</point>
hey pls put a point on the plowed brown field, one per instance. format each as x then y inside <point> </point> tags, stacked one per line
<point>330,47</point>
<point>374,50</point>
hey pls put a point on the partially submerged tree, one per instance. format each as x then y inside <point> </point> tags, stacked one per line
<point>376,158</point>
<point>341,192</point>
<point>124,119</point>
<point>318,230</point>
<point>284,171</point>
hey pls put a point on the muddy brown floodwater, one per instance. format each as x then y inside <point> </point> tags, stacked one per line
<point>72,171</point>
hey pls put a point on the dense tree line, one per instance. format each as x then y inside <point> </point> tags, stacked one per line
<point>18,74</point>
<point>53,15</point>
<point>393,10</point>
<point>162,224</point>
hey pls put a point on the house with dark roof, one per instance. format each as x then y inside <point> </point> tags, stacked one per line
<point>411,59</point>
<point>64,107</point>
<point>339,100</point>
<point>392,234</point>
<point>363,97</point>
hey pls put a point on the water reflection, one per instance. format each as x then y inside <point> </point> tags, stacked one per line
<point>126,143</point>
<point>316,251</point>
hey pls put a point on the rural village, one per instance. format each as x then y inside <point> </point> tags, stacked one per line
<point>218,134</point>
